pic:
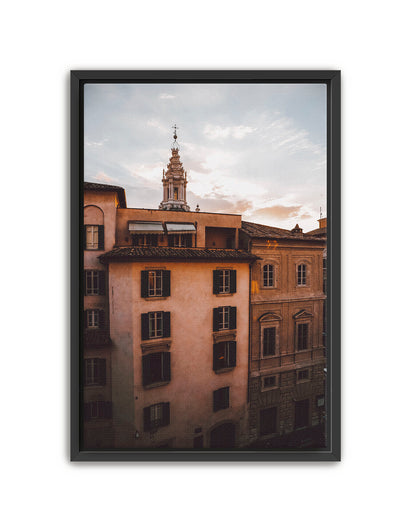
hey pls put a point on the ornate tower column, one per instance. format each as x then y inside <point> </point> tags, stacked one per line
<point>174,182</point>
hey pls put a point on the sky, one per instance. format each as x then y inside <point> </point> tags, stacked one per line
<point>258,150</point>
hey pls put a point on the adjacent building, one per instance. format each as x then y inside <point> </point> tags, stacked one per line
<point>200,330</point>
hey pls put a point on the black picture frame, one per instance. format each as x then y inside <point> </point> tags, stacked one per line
<point>332,79</point>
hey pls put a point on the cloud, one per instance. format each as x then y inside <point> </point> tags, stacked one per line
<point>278,211</point>
<point>94,144</point>
<point>103,177</point>
<point>223,132</point>
<point>166,96</point>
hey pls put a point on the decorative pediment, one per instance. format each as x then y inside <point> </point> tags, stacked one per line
<point>269,316</point>
<point>302,314</point>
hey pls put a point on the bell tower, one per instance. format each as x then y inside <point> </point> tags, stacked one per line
<point>174,181</point>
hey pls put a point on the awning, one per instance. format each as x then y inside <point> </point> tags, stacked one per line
<point>180,227</point>
<point>145,227</point>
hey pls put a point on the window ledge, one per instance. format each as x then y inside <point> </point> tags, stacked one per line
<point>156,345</point>
<point>224,370</point>
<point>224,335</point>
<point>153,298</point>
<point>156,385</point>
<point>224,294</point>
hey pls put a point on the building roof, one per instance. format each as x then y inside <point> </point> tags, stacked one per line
<point>261,231</point>
<point>128,253</point>
<point>94,186</point>
<point>318,232</point>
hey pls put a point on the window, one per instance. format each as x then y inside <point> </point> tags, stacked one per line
<point>303,375</point>
<point>269,381</point>
<point>302,274</point>
<point>156,416</point>
<point>301,413</point>
<point>324,275</point>
<point>97,410</point>
<point>221,398</point>
<point>268,421</point>
<point>268,275</point>
<point>175,193</point>
<point>269,341</point>
<point>156,368</point>
<point>93,319</point>
<point>225,281</point>
<point>93,237</point>
<point>94,282</point>
<point>155,283</point>
<point>180,240</point>
<point>94,372</point>
<point>224,318</point>
<point>302,336</point>
<point>224,355</point>
<point>155,325</point>
<point>145,240</point>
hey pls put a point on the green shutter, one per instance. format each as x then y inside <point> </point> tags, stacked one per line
<point>215,319</point>
<point>166,324</point>
<point>145,326</point>
<point>146,419</point>
<point>145,284</point>
<point>232,345</point>
<point>166,366</point>
<point>146,370</point>
<point>85,319</point>
<point>165,414</point>
<point>215,356</point>
<point>101,372</point>
<point>233,318</point>
<point>101,282</point>
<point>101,319</point>
<point>216,282</point>
<point>85,282</point>
<point>165,283</point>
<point>233,281</point>
<point>100,237</point>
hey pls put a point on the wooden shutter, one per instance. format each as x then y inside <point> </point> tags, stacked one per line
<point>232,345</point>
<point>100,237</point>
<point>170,241</point>
<point>101,372</point>
<point>146,370</point>
<point>146,418</point>
<point>101,282</point>
<point>166,366</point>
<point>85,282</point>
<point>215,356</point>
<point>85,237</point>
<point>233,317</point>
<point>166,324</point>
<point>101,319</point>
<point>188,240</point>
<point>165,283</point>
<point>216,282</point>
<point>233,281</point>
<point>216,399</point>
<point>145,326</point>
<point>153,240</point>
<point>145,284</point>
<point>165,414</point>
<point>85,319</point>
<point>215,319</point>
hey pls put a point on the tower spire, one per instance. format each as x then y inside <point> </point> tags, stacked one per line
<point>174,181</point>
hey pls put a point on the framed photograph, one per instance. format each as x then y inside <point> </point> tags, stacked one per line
<point>205,265</point>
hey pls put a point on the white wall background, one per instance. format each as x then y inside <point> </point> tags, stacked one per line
<point>373,44</point>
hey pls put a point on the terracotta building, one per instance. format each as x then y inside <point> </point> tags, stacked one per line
<point>287,377</point>
<point>200,330</point>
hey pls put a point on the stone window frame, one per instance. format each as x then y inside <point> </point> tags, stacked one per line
<point>271,387</point>
<point>276,273</point>
<point>303,317</point>
<point>308,263</point>
<point>270,320</point>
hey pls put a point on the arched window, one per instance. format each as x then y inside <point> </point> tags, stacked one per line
<point>268,275</point>
<point>301,274</point>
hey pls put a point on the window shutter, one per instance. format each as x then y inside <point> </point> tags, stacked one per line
<point>145,284</point>
<point>100,237</point>
<point>145,326</point>
<point>146,370</point>
<point>165,414</point>
<point>101,319</point>
<point>166,324</point>
<point>216,355</point>
<point>85,319</point>
<point>215,319</point>
<point>232,345</point>
<point>233,317</point>
<point>153,240</point>
<point>216,282</point>
<point>272,339</point>
<point>85,282</point>
<point>165,283</point>
<point>166,366</point>
<point>233,281</point>
<point>108,409</point>
<point>85,237</point>
<point>101,372</point>
<point>101,282</point>
<point>217,399</point>
<point>226,397</point>
<point>146,419</point>
<point>170,241</point>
